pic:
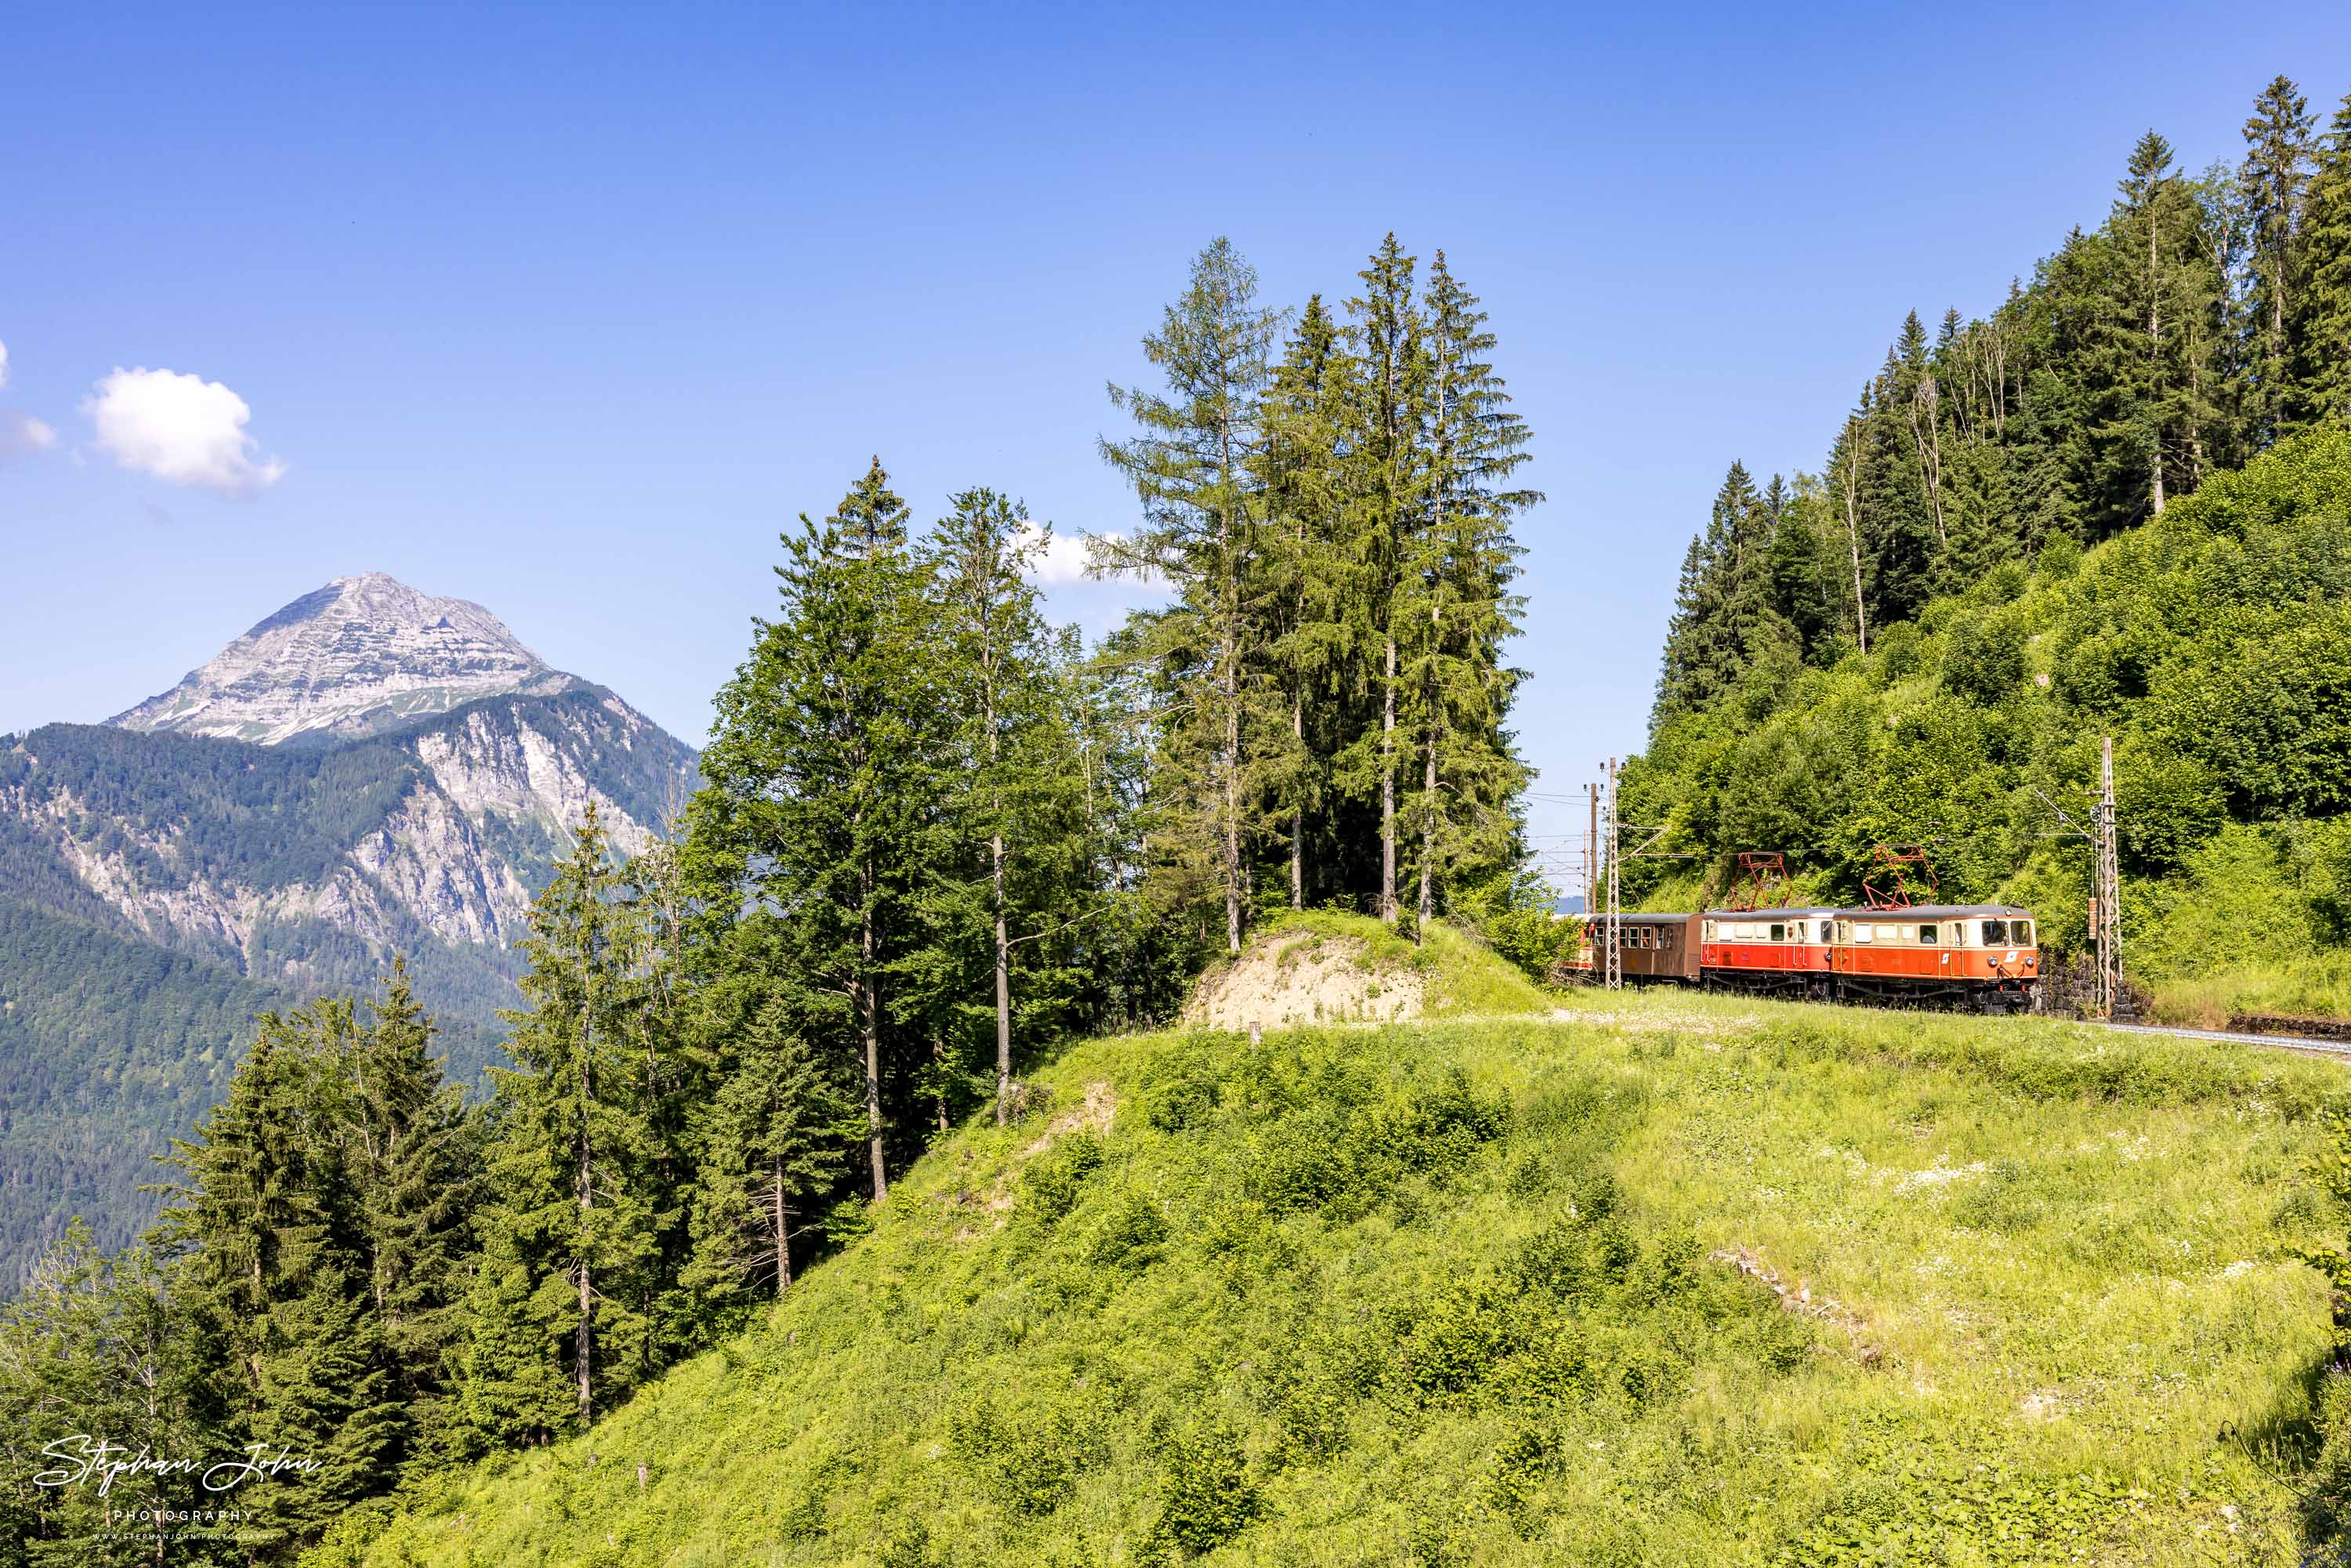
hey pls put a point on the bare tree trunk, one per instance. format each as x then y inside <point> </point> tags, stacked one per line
<point>2155,344</point>
<point>1387,790</point>
<point>1003,991</point>
<point>1232,808</point>
<point>783,1235</point>
<point>1851,477</point>
<point>1297,811</point>
<point>869,1022</point>
<point>584,1336</point>
<point>1427,837</point>
<point>1927,433</point>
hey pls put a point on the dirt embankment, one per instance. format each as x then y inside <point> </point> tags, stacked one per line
<point>1297,977</point>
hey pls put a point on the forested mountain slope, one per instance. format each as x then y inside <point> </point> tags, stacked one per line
<point>2211,643</point>
<point>1678,1281</point>
<point>159,888</point>
<point>2116,506</point>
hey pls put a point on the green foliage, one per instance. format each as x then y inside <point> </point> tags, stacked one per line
<point>2206,642</point>
<point>1546,1331</point>
<point>575,1161</point>
<point>1205,1496</point>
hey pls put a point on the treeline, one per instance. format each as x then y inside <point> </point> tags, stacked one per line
<point>935,836</point>
<point>2206,319</point>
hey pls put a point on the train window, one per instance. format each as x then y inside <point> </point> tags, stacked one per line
<point>1995,933</point>
<point>1927,935</point>
<point>1779,934</point>
<point>1865,933</point>
<point>1706,933</point>
<point>2020,933</point>
<point>1828,931</point>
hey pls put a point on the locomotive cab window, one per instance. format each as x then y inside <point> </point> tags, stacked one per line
<point>1779,934</point>
<point>1927,935</point>
<point>2020,933</point>
<point>1995,933</point>
<point>1828,931</point>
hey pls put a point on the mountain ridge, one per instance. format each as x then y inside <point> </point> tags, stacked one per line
<point>364,654</point>
<point>160,881</point>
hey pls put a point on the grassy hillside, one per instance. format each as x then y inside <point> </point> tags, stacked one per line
<point>1663,1279</point>
<point>2213,643</point>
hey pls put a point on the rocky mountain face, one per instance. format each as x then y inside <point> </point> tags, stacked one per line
<point>369,771</point>
<point>360,656</point>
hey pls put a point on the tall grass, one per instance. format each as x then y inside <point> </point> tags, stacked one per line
<point>1673,1278</point>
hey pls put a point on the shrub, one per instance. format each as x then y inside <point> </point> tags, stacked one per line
<point>1206,1495</point>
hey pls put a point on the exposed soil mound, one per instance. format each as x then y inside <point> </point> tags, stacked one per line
<point>1296,977</point>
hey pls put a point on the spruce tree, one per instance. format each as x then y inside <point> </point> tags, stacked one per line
<point>1313,510</point>
<point>2272,179</point>
<point>267,1232</point>
<point>1010,786</point>
<point>1456,606</point>
<point>415,1163</point>
<point>774,1141</point>
<point>98,1347</point>
<point>570,1162</point>
<point>2322,325</point>
<point>1190,464</point>
<point>1386,336</point>
<point>819,828</point>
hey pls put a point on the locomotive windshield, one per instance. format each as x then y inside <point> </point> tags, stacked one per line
<point>1995,933</point>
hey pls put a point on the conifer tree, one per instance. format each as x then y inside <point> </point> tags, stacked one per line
<point>2273,180</point>
<point>2322,328</point>
<point>1456,604</point>
<point>1008,754</point>
<point>820,825</point>
<point>1311,509</point>
<point>511,1388</point>
<point>1386,336</point>
<point>415,1165</point>
<point>1190,465</point>
<point>92,1347</point>
<point>571,1164</point>
<point>267,1233</point>
<point>773,1142</point>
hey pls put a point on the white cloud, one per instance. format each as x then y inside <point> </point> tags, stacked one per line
<point>180,429</point>
<point>3,364</point>
<point>1059,559</point>
<point>21,433</point>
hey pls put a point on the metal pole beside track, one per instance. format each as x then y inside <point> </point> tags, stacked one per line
<point>1615,898</point>
<point>2107,931</point>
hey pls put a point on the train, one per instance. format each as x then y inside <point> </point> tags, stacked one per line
<point>1982,957</point>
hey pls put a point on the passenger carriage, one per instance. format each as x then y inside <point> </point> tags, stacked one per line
<point>1651,948</point>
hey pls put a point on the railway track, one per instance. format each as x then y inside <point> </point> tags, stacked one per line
<point>2338,1049</point>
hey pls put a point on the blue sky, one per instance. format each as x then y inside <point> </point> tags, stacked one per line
<point>569,311</point>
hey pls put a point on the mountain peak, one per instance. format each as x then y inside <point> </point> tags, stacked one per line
<point>363,653</point>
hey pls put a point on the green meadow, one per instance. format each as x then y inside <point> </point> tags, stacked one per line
<point>1657,1278</point>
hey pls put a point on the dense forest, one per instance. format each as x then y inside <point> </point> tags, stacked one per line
<point>934,837</point>
<point>2115,506</point>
